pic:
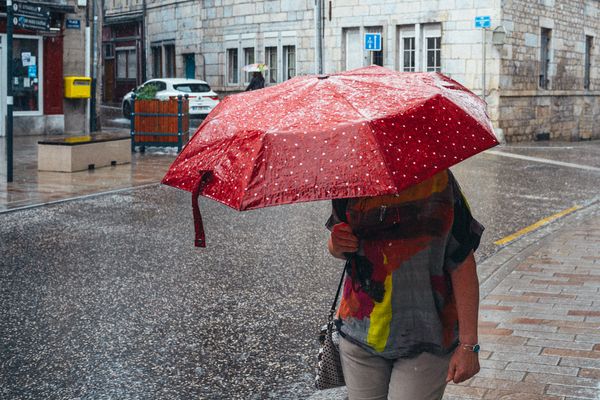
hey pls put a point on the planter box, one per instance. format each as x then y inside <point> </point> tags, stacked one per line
<point>157,122</point>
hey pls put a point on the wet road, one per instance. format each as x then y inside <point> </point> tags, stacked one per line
<point>106,297</point>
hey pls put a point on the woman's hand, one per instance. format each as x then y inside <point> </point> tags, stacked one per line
<point>464,364</point>
<point>342,240</point>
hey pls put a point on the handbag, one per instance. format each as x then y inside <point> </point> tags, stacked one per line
<point>329,366</point>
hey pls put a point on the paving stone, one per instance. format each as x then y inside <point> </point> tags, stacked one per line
<point>550,369</point>
<point>573,391</point>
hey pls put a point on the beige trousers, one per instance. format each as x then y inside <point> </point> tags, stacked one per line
<point>370,377</point>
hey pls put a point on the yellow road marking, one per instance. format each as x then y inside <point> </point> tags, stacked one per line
<point>538,224</point>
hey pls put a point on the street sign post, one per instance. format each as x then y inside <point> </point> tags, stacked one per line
<point>28,22</point>
<point>33,10</point>
<point>373,41</point>
<point>73,24</point>
<point>31,16</point>
<point>9,91</point>
<point>483,22</point>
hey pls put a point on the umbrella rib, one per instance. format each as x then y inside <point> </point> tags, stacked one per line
<point>364,117</point>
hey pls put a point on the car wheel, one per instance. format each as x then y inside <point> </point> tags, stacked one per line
<point>127,110</point>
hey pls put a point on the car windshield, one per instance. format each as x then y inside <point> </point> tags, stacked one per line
<point>192,87</point>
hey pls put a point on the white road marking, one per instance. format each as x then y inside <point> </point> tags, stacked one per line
<point>543,160</point>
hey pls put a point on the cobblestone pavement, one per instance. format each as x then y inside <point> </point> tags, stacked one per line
<point>540,325</point>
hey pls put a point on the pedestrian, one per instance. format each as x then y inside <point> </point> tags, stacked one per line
<point>408,314</point>
<point>257,81</point>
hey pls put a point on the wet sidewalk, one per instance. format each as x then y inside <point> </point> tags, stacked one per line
<point>540,317</point>
<point>33,187</point>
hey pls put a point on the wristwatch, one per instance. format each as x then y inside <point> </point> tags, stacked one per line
<point>471,347</point>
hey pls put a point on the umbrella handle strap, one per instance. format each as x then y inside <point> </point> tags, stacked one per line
<point>200,239</point>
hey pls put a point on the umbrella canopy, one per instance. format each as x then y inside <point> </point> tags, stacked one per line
<point>256,67</point>
<point>365,132</point>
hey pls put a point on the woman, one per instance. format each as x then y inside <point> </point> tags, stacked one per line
<point>408,315</point>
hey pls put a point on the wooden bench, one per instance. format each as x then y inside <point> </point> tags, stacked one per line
<point>79,153</point>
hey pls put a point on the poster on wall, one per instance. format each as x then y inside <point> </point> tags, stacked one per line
<point>32,71</point>
<point>26,59</point>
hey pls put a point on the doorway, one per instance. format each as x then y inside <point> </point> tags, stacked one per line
<point>190,66</point>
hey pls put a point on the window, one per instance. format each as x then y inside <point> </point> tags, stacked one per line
<point>271,60</point>
<point>289,60</point>
<point>545,57</point>
<point>376,57</point>
<point>589,41</point>
<point>26,79</point>
<point>157,62</point>
<point>353,48</point>
<point>192,87</point>
<point>170,71</point>
<point>232,66</point>
<point>126,63</point>
<point>157,85</point>
<point>408,54</point>
<point>434,54</point>
<point>248,59</point>
<point>407,49</point>
<point>109,50</point>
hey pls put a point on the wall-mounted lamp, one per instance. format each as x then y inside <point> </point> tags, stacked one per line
<point>499,36</point>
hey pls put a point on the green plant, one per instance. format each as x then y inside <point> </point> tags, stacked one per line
<point>147,92</point>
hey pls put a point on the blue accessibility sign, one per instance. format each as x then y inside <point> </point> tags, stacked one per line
<point>483,21</point>
<point>373,41</point>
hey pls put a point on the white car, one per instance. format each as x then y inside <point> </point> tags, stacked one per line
<point>201,97</point>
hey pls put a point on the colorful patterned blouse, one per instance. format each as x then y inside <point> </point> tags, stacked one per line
<point>397,297</point>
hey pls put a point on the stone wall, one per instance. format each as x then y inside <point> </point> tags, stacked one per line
<point>565,109</point>
<point>229,24</point>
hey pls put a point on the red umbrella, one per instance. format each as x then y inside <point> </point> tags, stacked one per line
<point>365,132</point>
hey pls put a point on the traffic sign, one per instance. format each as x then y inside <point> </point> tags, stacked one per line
<point>373,41</point>
<point>32,23</point>
<point>31,9</point>
<point>483,21</point>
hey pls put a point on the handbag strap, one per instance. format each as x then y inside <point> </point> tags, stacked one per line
<point>337,293</point>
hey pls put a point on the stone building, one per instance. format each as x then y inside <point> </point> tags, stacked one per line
<point>541,75</point>
<point>41,59</point>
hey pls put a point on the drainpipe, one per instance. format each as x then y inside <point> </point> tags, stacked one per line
<point>318,36</point>
<point>143,57</point>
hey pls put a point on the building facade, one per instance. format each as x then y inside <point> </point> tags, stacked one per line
<point>535,63</point>
<point>40,61</point>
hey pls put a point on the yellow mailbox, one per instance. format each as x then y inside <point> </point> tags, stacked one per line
<point>78,87</point>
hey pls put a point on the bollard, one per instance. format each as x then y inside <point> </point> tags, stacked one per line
<point>179,122</point>
<point>132,122</point>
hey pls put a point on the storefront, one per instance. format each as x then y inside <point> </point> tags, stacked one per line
<point>123,52</point>
<point>37,84</point>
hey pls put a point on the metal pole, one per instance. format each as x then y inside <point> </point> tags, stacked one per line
<point>94,64</point>
<point>318,37</point>
<point>483,34</point>
<point>9,91</point>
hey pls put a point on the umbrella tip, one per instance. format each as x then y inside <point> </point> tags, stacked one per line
<point>322,76</point>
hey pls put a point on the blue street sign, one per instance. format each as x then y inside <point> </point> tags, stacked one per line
<point>73,24</point>
<point>483,21</point>
<point>373,41</point>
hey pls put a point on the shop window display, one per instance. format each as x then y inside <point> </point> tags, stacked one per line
<point>26,70</point>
